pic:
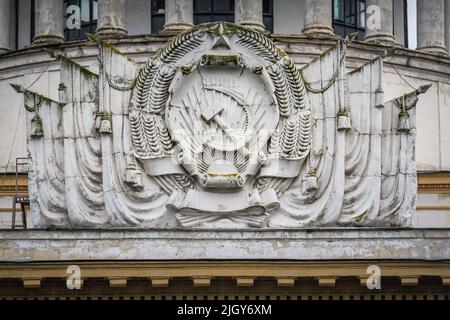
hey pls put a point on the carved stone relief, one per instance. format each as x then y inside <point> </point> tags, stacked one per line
<point>220,129</point>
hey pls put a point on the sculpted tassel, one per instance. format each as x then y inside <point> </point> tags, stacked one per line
<point>403,118</point>
<point>36,127</point>
<point>379,94</point>
<point>62,96</point>
<point>344,121</point>
<point>98,120</point>
<point>105,125</point>
<point>403,122</point>
<point>310,182</point>
<point>133,177</point>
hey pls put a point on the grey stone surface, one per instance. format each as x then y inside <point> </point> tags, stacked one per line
<point>447,24</point>
<point>5,26</point>
<point>111,18</point>
<point>318,18</point>
<point>179,15</point>
<point>182,244</point>
<point>382,11</point>
<point>430,26</point>
<point>249,13</point>
<point>49,22</point>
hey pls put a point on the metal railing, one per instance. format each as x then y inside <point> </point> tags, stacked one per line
<point>22,199</point>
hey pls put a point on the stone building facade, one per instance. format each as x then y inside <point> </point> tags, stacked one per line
<point>323,262</point>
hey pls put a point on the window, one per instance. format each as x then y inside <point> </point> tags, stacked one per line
<point>268,14</point>
<point>32,21</point>
<point>86,14</point>
<point>213,10</point>
<point>349,16</point>
<point>405,23</point>
<point>158,15</point>
<point>209,11</point>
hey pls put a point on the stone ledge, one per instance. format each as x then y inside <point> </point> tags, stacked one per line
<point>180,244</point>
<point>226,277</point>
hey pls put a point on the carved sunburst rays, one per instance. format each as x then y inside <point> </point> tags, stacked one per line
<point>210,155</point>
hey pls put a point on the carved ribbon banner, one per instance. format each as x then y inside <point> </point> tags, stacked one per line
<point>46,183</point>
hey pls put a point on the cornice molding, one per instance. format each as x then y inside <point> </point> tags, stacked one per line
<point>244,273</point>
<point>8,185</point>
<point>438,182</point>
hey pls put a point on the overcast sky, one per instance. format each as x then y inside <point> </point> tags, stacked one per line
<point>412,24</point>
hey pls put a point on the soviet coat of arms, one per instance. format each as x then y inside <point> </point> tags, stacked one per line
<point>221,129</point>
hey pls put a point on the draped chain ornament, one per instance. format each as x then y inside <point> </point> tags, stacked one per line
<point>102,120</point>
<point>333,79</point>
<point>29,108</point>
<point>37,129</point>
<point>406,103</point>
<point>117,83</point>
<point>379,93</point>
<point>343,115</point>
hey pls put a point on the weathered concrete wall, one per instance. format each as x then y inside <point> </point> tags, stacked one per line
<point>5,217</point>
<point>433,211</point>
<point>331,244</point>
